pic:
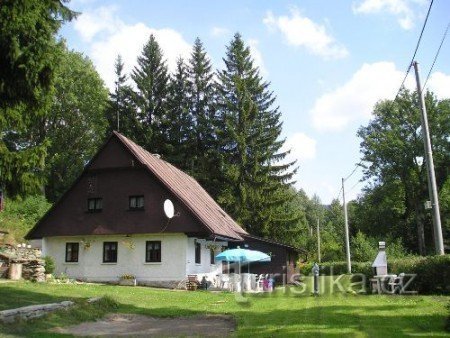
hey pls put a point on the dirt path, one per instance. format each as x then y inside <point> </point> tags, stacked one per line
<point>120,325</point>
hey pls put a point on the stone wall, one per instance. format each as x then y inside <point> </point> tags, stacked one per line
<point>32,311</point>
<point>33,267</point>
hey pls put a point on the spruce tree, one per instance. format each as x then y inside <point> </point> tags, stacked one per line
<point>28,58</point>
<point>151,78</point>
<point>255,188</point>
<point>203,146</point>
<point>179,130</point>
<point>122,105</point>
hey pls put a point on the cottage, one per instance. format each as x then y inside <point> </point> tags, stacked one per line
<point>111,222</point>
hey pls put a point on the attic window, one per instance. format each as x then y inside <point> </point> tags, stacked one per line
<point>136,202</point>
<point>95,204</point>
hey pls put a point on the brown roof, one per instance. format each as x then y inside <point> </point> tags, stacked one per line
<point>270,241</point>
<point>188,190</point>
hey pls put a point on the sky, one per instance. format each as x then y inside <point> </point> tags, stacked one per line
<point>328,62</point>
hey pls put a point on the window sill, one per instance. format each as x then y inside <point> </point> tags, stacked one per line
<point>93,211</point>
<point>136,209</point>
<point>152,263</point>
<point>198,264</point>
<point>109,263</point>
<point>70,263</point>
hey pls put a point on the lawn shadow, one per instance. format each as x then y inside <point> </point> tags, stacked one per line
<point>12,297</point>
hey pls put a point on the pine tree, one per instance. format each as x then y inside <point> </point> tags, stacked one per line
<point>203,146</point>
<point>151,78</point>
<point>179,131</point>
<point>256,186</point>
<point>122,105</point>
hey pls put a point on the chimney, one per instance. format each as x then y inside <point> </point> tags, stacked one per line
<point>379,265</point>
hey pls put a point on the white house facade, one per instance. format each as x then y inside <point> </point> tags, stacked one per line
<point>111,222</point>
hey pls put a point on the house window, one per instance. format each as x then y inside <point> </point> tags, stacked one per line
<point>212,256</point>
<point>109,252</point>
<point>95,204</point>
<point>153,251</point>
<point>198,253</point>
<point>72,250</point>
<point>136,203</point>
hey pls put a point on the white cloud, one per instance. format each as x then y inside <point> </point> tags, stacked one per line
<point>257,56</point>
<point>402,9</point>
<point>301,31</point>
<point>439,83</point>
<point>354,101</point>
<point>302,147</point>
<point>102,19</point>
<point>219,31</point>
<point>108,36</point>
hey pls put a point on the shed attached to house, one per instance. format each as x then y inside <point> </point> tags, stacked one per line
<point>283,265</point>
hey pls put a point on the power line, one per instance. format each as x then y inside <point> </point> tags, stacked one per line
<point>353,187</point>
<point>354,170</point>
<point>415,51</point>
<point>436,56</point>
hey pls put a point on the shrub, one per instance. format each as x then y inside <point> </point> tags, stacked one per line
<point>432,272</point>
<point>49,264</point>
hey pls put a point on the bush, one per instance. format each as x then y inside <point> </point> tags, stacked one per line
<point>49,264</point>
<point>432,272</point>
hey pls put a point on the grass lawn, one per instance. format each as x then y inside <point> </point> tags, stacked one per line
<point>283,313</point>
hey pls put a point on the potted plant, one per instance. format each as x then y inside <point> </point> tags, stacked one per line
<point>128,280</point>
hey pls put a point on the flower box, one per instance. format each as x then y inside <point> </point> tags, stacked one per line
<point>127,281</point>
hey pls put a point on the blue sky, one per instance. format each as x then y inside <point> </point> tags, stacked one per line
<point>328,62</point>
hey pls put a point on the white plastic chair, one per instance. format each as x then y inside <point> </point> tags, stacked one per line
<point>224,280</point>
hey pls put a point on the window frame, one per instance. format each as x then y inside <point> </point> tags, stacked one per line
<point>137,198</point>
<point>148,254</point>
<point>72,245</point>
<point>98,204</point>
<point>105,244</point>
<point>198,253</point>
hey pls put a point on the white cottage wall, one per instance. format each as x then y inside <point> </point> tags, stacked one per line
<point>130,258</point>
<point>205,267</point>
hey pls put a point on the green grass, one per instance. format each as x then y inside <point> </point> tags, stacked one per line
<point>285,313</point>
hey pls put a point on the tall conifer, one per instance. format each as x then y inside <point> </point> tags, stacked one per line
<point>255,188</point>
<point>151,78</point>
<point>203,146</point>
<point>122,105</point>
<point>180,124</point>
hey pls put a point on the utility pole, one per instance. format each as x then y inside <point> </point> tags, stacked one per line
<point>432,188</point>
<point>347,240</point>
<point>318,240</point>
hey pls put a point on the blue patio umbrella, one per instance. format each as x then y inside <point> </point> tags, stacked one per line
<point>242,256</point>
